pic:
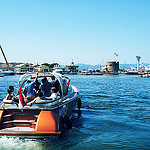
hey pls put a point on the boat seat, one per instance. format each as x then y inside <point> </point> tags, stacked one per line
<point>39,100</point>
<point>7,101</point>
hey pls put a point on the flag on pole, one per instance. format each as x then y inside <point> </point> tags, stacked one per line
<point>21,99</point>
<point>116,54</point>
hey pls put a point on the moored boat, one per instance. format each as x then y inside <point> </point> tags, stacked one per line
<point>145,75</point>
<point>1,73</point>
<point>8,73</point>
<point>42,116</point>
<point>97,73</point>
<point>57,69</point>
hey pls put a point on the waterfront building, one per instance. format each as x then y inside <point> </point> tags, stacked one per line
<point>42,68</point>
<point>24,68</point>
<point>111,67</point>
<point>72,68</point>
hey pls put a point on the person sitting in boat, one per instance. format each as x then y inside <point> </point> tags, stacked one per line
<point>54,94</point>
<point>46,87</point>
<point>10,96</point>
<point>53,80</point>
<point>36,88</point>
<point>65,87</point>
<point>57,86</point>
<point>12,88</point>
<point>29,90</point>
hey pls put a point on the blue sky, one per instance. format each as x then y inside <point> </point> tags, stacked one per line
<point>87,31</point>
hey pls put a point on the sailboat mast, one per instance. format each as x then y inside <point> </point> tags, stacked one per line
<point>5,58</point>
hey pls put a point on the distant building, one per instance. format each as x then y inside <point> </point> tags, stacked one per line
<point>42,68</point>
<point>72,68</point>
<point>24,68</point>
<point>111,67</point>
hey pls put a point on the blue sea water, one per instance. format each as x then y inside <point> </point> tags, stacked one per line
<point>115,116</point>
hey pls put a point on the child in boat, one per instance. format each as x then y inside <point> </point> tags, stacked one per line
<point>54,94</point>
<point>11,96</point>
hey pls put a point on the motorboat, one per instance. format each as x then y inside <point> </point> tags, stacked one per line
<point>1,73</point>
<point>40,117</point>
<point>57,69</point>
<point>98,73</point>
<point>8,72</point>
<point>111,73</point>
<point>132,71</point>
<point>145,75</point>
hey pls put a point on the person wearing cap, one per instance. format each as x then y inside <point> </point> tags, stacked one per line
<point>28,89</point>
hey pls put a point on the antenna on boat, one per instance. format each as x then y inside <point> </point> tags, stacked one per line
<point>8,68</point>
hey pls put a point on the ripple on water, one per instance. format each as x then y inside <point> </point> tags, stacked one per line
<point>115,115</point>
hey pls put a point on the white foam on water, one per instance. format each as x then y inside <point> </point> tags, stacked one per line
<point>15,143</point>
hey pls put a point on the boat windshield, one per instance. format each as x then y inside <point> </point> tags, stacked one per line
<point>51,77</point>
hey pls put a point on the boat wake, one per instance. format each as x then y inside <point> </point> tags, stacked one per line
<point>16,143</point>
